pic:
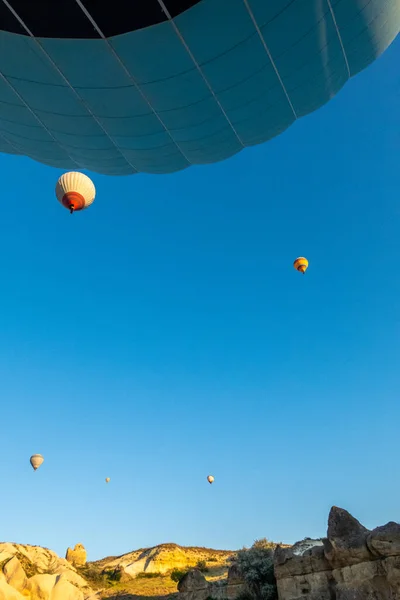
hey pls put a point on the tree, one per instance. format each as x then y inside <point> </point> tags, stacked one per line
<point>257,567</point>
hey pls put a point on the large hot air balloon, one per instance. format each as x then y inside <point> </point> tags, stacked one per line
<point>75,191</point>
<point>159,85</point>
<point>36,460</point>
<point>301,264</point>
<point>210,479</point>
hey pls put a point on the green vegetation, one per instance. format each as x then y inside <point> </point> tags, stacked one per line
<point>144,575</point>
<point>142,588</point>
<point>98,579</point>
<point>202,566</point>
<point>178,574</point>
<point>257,566</point>
<point>114,575</point>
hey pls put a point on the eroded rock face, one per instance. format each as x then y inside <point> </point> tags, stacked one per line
<point>77,555</point>
<point>15,575</point>
<point>7,592</point>
<point>385,540</point>
<point>34,573</point>
<point>351,563</point>
<point>194,586</point>
<point>193,580</point>
<point>235,575</point>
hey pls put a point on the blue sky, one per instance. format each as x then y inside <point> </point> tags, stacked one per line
<point>163,335</point>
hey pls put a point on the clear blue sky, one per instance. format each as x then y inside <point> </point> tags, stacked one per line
<point>163,335</point>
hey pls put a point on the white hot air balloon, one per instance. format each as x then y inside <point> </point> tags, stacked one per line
<point>107,480</point>
<point>36,460</point>
<point>210,479</point>
<point>75,191</point>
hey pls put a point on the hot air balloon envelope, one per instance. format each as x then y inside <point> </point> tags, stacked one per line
<point>157,86</point>
<point>210,479</point>
<point>75,191</point>
<point>301,264</point>
<point>36,460</point>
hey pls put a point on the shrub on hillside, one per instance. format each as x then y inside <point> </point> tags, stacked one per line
<point>97,578</point>
<point>178,574</point>
<point>202,566</point>
<point>113,575</point>
<point>144,575</point>
<point>257,566</point>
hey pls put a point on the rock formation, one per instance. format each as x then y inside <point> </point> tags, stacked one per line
<point>351,563</point>
<point>34,573</point>
<point>194,586</point>
<point>76,556</point>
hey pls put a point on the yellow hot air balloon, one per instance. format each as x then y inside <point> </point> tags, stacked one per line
<point>301,264</point>
<point>107,479</point>
<point>75,191</point>
<point>36,460</point>
<point>210,479</point>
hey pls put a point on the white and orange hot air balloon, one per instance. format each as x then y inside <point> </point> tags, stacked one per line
<point>210,479</point>
<point>107,480</point>
<point>301,264</point>
<point>75,191</point>
<point>36,460</point>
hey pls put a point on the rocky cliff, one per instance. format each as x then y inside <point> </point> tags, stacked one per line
<point>35,573</point>
<point>351,563</point>
<point>194,586</point>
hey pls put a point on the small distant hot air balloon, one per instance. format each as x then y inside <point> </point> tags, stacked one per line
<point>210,479</point>
<point>301,264</point>
<point>36,460</point>
<point>75,191</point>
<point>107,479</point>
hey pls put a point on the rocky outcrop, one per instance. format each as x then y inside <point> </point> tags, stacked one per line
<point>76,556</point>
<point>235,585</point>
<point>15,575</point>
<point>34,573</point>
<point>351,563</point>
<point>194,586</point>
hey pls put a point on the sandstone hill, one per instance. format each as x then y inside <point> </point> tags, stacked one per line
<point>163,558</point>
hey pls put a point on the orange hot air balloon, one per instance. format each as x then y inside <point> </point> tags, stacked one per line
<point>301,264</point>
<point>107,480</point>
<point>75,191</point>
<point>210,479</point>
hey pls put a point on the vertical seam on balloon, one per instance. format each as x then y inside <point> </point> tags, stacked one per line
<point>131,77</point>
<point>264,43</point>
<point>339,36</point>
<point>11,9</point>
<point>196,64</point>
